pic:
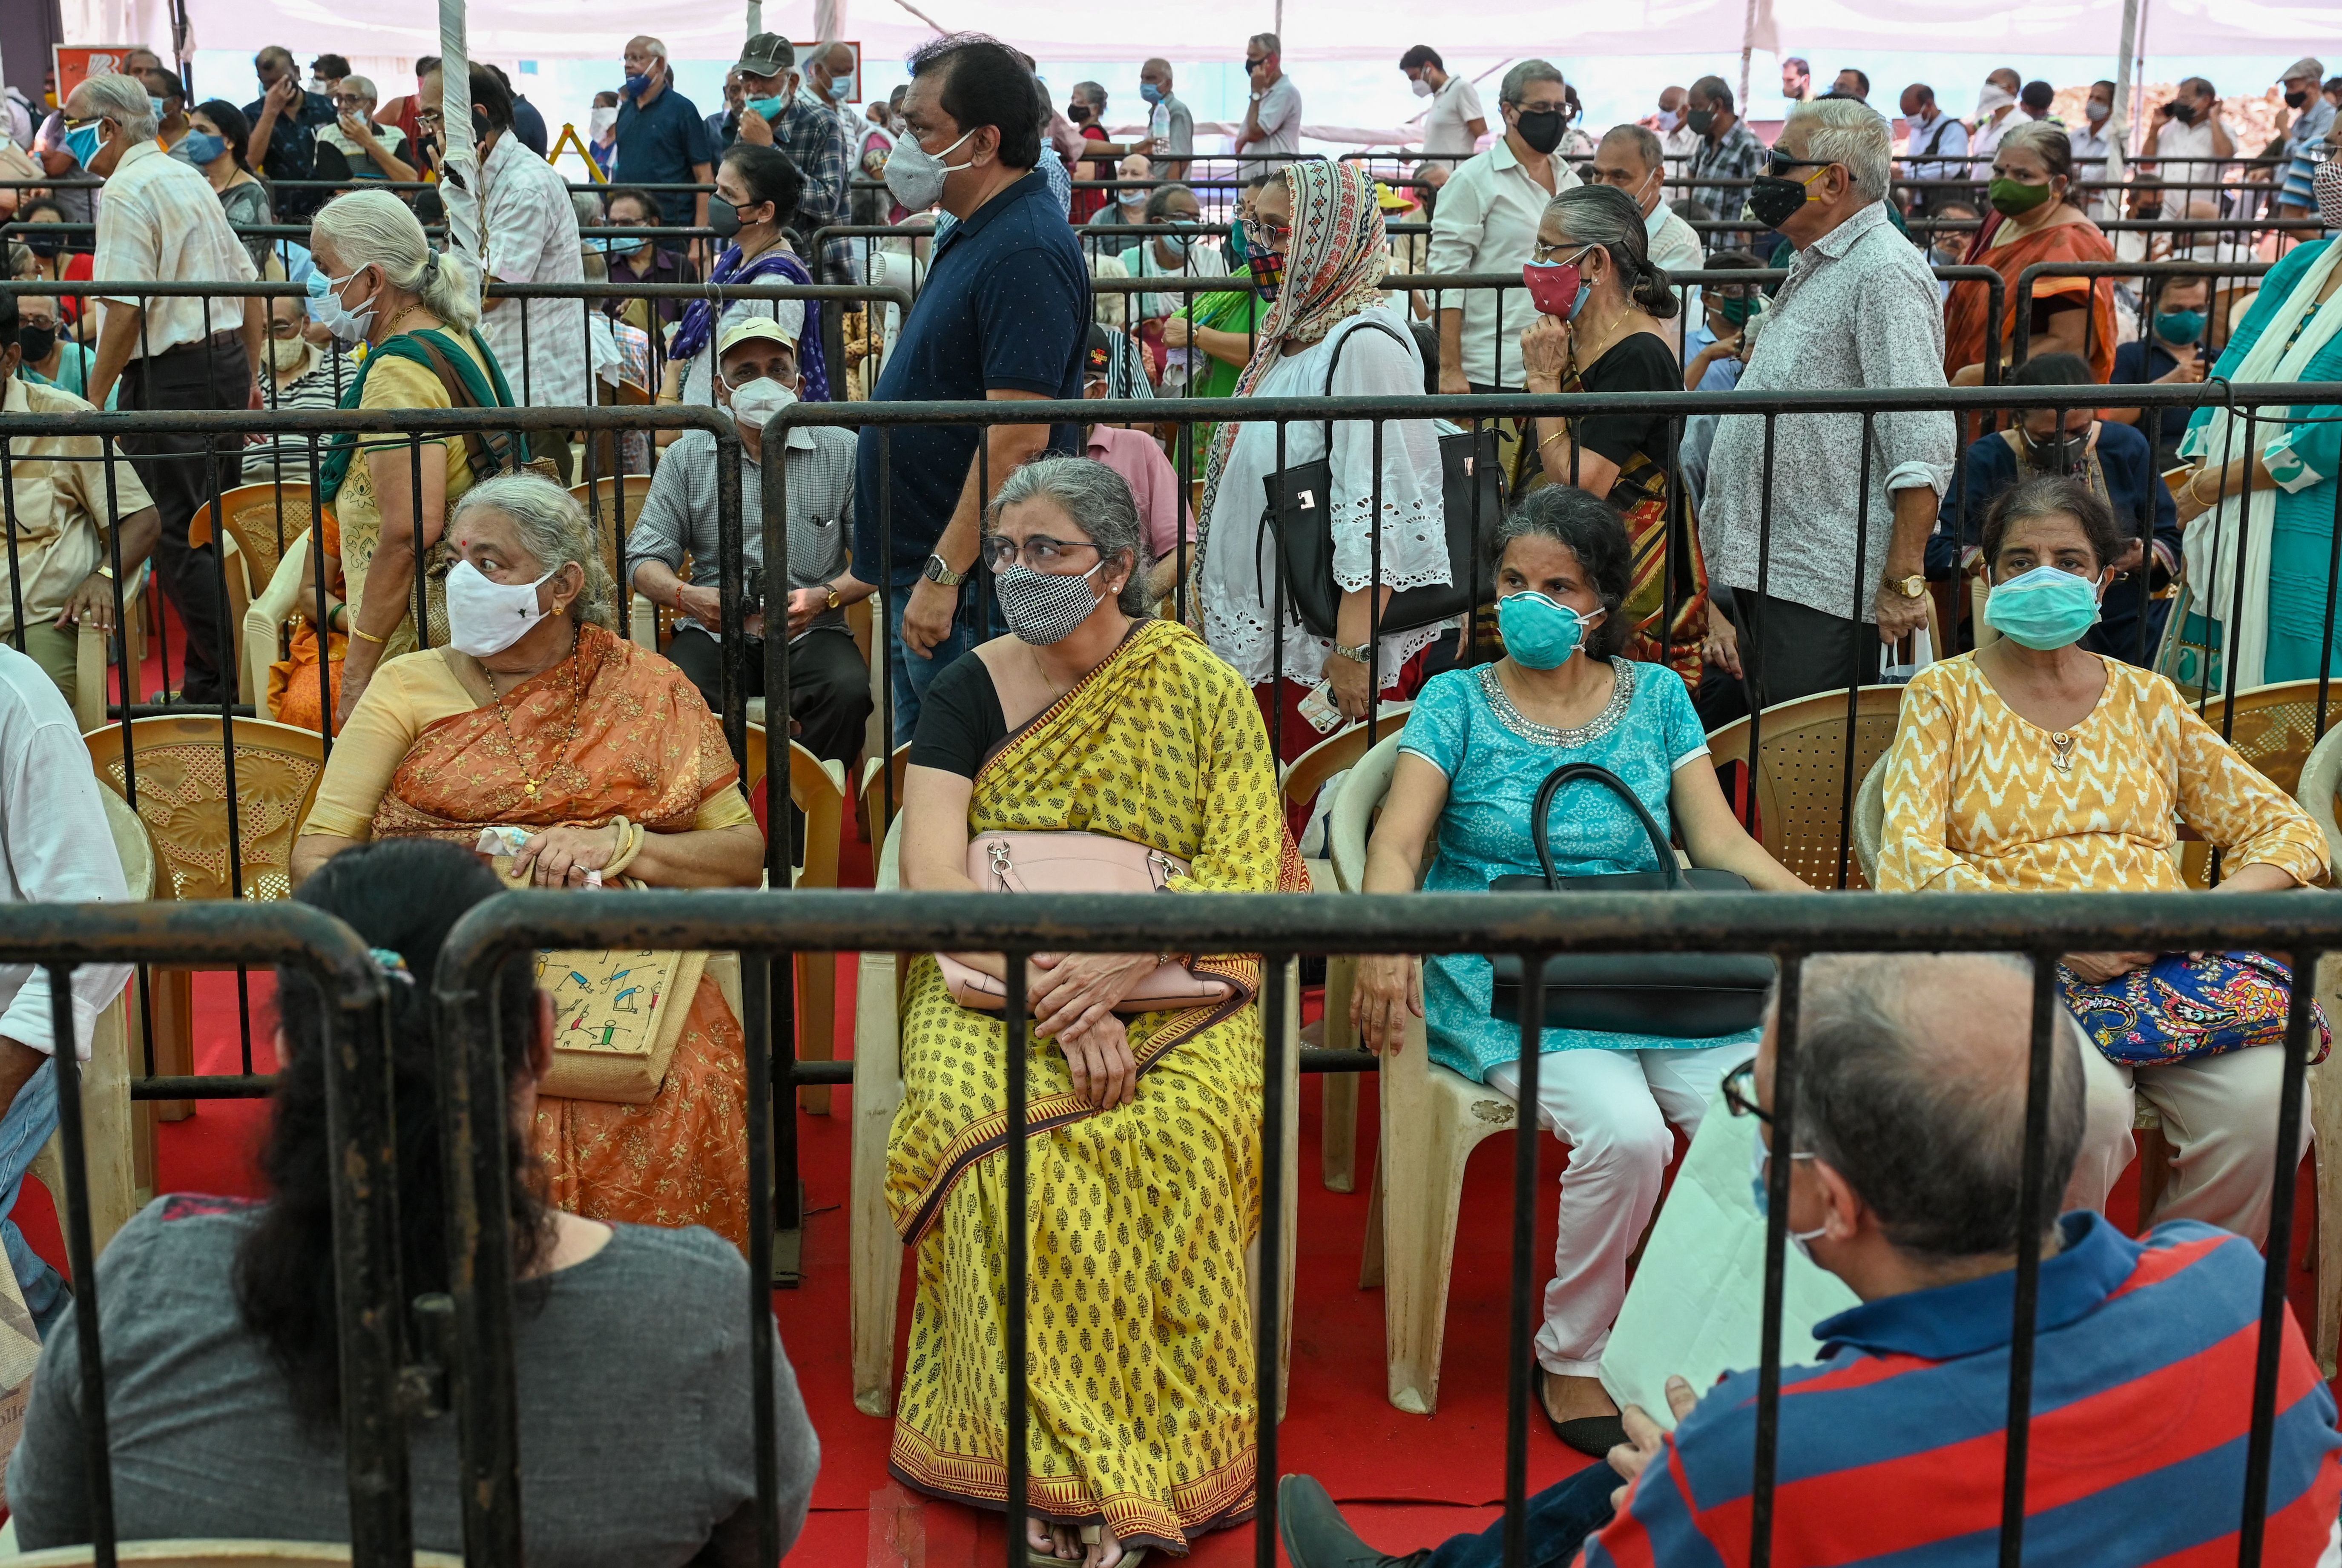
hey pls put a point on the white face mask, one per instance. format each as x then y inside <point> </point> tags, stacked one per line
<point>1759,1148</point>
<point>755,403</point>
<point>485,616</point>
<point>1421,87</point>
<point>916,175</point>
<point>599,121</point>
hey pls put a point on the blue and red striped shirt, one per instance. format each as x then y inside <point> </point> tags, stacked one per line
<point>1891,1450</point>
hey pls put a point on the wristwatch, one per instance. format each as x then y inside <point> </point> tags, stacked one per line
<point>942,575</point>
<point>829,595</point>
<point>1359,653</point>
<point>1912,587</point>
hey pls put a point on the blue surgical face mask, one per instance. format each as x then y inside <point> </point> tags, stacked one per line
<point>769,107</point>
<point>326,309</point>
<point>1177,245</point>
<point>82,142</point>
<point>635,86</point>
<point>1150,92</point>
<point>2044,608</point>
<point>204,147</point>
<point>1540,634</point>
<point>1758,1150</point>
<point>160,112</point>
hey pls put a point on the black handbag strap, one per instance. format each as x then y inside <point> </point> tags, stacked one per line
<point>1568,773</point>
<point>1331,364</point>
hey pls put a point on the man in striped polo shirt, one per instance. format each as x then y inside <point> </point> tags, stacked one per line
<point>1909,1135</point>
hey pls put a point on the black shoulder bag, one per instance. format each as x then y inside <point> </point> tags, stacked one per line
<point>1673,995</point>
<point>1300,510</point>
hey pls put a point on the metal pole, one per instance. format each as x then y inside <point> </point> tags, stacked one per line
<point>459,173</point>
<point>2118,125</point>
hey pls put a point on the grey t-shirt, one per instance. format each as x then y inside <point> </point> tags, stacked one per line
<point>636,1447</point>
<point>1279,121</point>
<point>679,514</point>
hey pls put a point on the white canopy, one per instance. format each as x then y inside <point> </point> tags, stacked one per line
<point>1215,29</point>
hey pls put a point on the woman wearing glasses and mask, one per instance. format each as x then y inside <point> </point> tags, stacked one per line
<point>1089,720</point>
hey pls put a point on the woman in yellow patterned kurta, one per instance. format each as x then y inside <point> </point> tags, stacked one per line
<point>2048,769</point>
<point>1143,1129</point>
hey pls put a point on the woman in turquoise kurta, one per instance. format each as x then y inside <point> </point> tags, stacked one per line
<point>1477,746</point>
<point>2292,332</point>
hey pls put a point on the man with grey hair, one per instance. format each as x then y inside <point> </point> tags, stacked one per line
<point>284,120</point>
<point>160,223</point>
<point>1905,1181</point>
<point>1170,124</point>
<point>1819,523</point>
<point>1629,158</point>
<point>1272,122</point>
<point>775,114</point>
<point>661,138</point>
<point>1486,222</point>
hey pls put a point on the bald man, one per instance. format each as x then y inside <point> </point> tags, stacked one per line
<point>1170,126</point>
<point>1905,1168</point>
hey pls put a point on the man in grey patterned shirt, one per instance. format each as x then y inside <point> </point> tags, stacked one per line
<point>1859,310</point>
<point>829,683</point>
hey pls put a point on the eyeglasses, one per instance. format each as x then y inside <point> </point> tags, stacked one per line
<point>1782,164</point>
<point>428,117</point>
<point>1740,1092</point>
<point>1545,253</point>
<point>1273,234</point>
<point>1040,553</point>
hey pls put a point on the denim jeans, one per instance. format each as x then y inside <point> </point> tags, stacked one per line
<point>23,1132</point>
<point>912,676</point>
<point>1560,1518</point>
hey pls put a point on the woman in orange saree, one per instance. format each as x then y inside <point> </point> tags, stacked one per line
<point>2035,219</point>
<point>607,757</point>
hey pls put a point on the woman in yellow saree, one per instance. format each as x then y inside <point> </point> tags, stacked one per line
<point>606,758</point>
<point>1144,1131</point>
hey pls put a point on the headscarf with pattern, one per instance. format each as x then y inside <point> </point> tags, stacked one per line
<point>1333,270</point>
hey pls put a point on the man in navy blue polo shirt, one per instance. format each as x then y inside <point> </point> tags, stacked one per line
<point>662,140</point>
<point>1004,316</point>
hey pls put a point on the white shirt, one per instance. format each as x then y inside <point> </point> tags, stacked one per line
<point>1203,260</point>
<point>530,228</point>
<point>1487,222</point>
<point>1674,244</point>
<point>1677,146</point>
<point>1931,155</point>
<point>55,846</point>
<point>1278,115</point>
<point>2183,145</point>
<point>1448,128</point>
<point>161,222</point>
<point>1239,558</point>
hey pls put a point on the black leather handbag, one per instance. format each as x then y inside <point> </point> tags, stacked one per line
<point>1300,516</point>
<point>1672,995</point>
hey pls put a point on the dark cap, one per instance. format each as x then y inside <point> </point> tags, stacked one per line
<point>766,54</point>
<point>1101,353</point>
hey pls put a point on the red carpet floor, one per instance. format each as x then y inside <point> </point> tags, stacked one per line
<point>1406,1481</point>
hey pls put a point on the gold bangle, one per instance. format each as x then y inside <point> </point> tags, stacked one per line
<point>630,844</point>
<point>366,637</point>
<point>1554,437</point>
<point>2198,495</point>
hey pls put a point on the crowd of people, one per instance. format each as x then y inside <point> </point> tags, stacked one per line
<point>1113,632</point>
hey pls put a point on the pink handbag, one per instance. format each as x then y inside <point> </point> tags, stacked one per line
<point>1076,863</point>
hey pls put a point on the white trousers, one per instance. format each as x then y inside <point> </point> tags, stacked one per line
<point>2220,1115</point>
<point>1613,1109</point>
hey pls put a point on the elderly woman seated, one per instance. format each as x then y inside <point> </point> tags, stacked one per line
<point>2032,765</point>
<point>1103,729</point>
<point>1478,746</point>
<point>226,1307</point>
<point>604,759</point>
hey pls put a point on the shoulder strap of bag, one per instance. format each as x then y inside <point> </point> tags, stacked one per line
<point>1570,771</point>
<point>1333,362</point>
<point>484,462</point>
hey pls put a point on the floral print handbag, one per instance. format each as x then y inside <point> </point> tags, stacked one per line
<point>2185,1005</point>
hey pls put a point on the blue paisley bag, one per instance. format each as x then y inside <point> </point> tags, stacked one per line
<point>2188,1004</point>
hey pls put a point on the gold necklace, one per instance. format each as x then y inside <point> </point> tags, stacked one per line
<point>576,704</point>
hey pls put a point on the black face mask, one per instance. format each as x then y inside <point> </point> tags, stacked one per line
<point>36,342</point>
<point>2182,111</point>
<point>1078,114</point>
<point>2055,454</point>
<point>2296,99</point>
<point>1540,129</point>
<point>1701,121</point>
<point>42,245</point>
<point>1774,201</point>
<point>722,217</point>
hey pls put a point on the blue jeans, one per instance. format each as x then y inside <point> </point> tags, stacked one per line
<point>23,1132</point>
<point>1560,1518</point>
<point>912,676</point>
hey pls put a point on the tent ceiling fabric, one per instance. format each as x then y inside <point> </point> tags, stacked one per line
<point>1209,29</point>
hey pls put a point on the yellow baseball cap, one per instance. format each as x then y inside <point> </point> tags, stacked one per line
<point>1389,200</point>
<point>751,328</point>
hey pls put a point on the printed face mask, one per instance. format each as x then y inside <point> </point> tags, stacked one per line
<point>1044,607</point>
<point>1267,272</point>
<point>2327,185</point>
<point>2044,608</point>
<point>1556,289</point>
<point>485,616</point>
